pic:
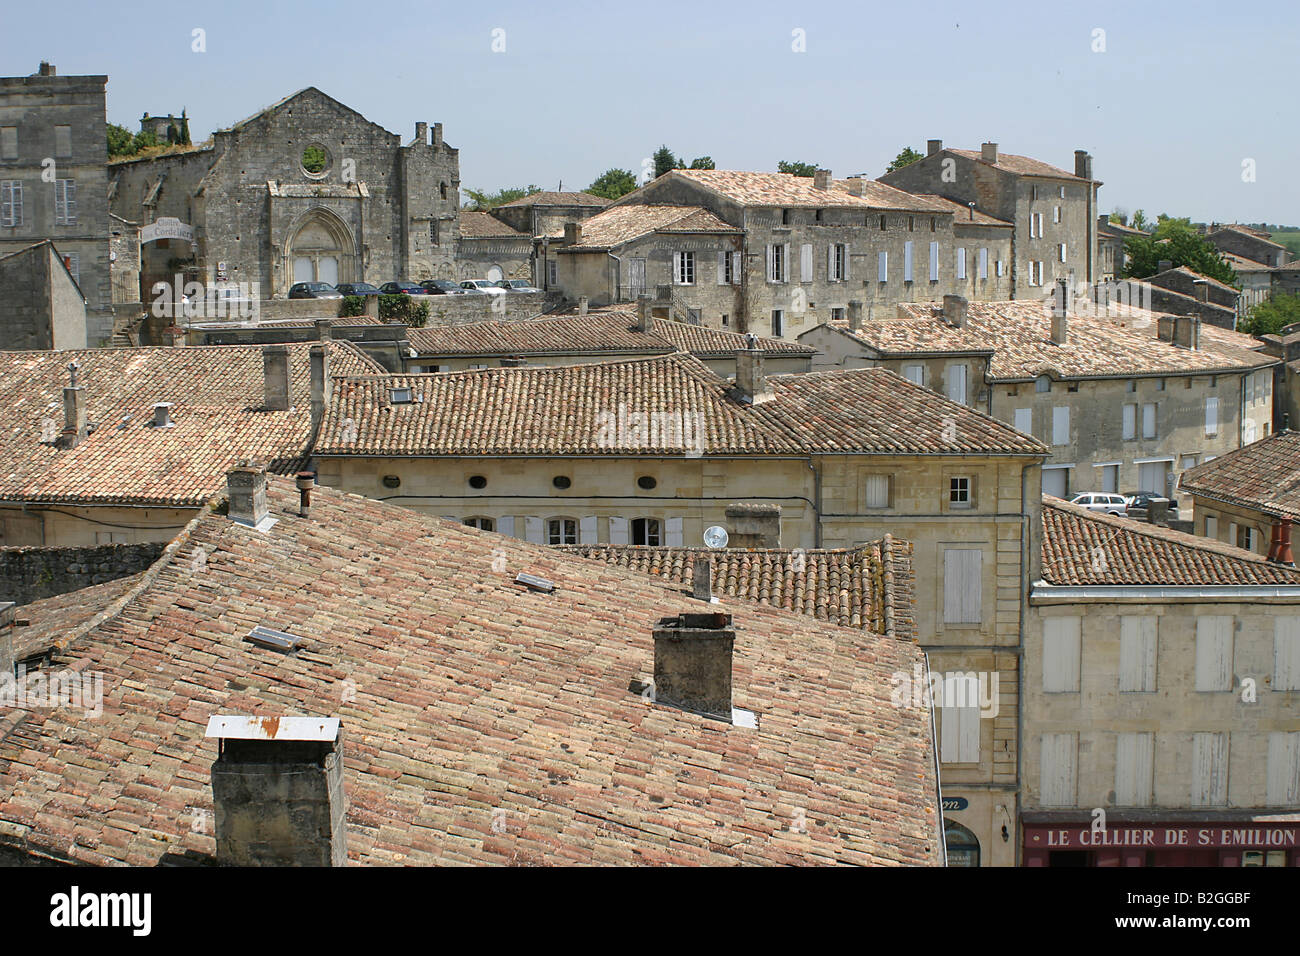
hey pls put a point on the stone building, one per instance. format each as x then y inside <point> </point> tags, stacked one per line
<point>802,248</point>
<point>1256,279</point>
<point>1161,687</point>
<point>1182,291</point>
<point>1285,279</point>
<point>1111,255</point>
<point>1285,345</point>
<point>305,190</point>
<point>1249,498</point>
<point>1054,212</point>
<point>1247,243</point>
<point>490,249</point>
<point>53,182</point>
<point>41,306</point>
<point>1124,402</point>
<point>655,451</point>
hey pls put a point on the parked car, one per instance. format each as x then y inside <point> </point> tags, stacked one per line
<point>481,285</point>
<point>400,287</point>
<point>441,287</point>
<point>516,285</point>
<point>357,288</point>
<point>1140,501</point>
<point>1102,502</point>
<point>313,290</point>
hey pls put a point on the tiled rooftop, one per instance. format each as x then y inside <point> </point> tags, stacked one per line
<point>218,418</point>
<point>785,189</point>
<point>607,330</point>
<point>1081,547</point>
<point>963,213</point>
<point>1017,337</point>
<point>1020,165</point>
<point>483,723</point>
<point>552,198</point>
<point>571,410</point>
<point>1263,476</point>
<point>482,225</point>
<point>619,224</point>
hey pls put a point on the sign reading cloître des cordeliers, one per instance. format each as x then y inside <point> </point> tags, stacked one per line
<point>167,227</point>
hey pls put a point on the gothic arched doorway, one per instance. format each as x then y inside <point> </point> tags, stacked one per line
<point>321,249</point>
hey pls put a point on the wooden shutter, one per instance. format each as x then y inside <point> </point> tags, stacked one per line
<point>735,268</point>
<point>618,531</point>
<point>533,530</point>
<point>959,734</point>
<point>1212,527</point>
<point>1211,417</point>
<point>907,261</point>
<point>882,267</point>
<point>1137,653</point>
<point>1213,653</point>
<point>1061,648</point>
<point>984,264</point>
<point>1130,421</point>
<point>673,532</point>
<point>1149,429</point>
<point>934,261</point>
<point>1283,786</point>
<point>806,262</point>
<point>914,373</point>
<point>785,262</point>
<point>506,525</point>
<point>962,586</point>
<point>1025,420</point>
<point>771,263</point>
<point>1209,770</point>
<point>70,201</point>
<point>1061,425</point>
<point>1286,653</point>
<point>1134,762</point>
<point>830,263</point>
<point>847,257</point>
<point>957,384</point>
<point>1058,766</point>
<point>587,529</point>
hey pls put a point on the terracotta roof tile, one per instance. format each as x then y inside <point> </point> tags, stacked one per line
<point>545,198</point>
<point>482,225</point>
<point>619,224</point>
<point>1081,547</point>
<point>785,189</point>
<point>472,698</point>
<point>1020,165</point>
<point>1263,476</point>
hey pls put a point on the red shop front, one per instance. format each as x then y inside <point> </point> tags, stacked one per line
<point>1163,841</point>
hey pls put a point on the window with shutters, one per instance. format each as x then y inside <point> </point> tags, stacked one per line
<point>1058,768</point>
<point>1247,538</point>
<point>1282,787</point>
<point>1024,420</point>
<point>1137,653</point>
<point>956,378</point>
<point>884,223</point>
<point>806,262</point>
<point>959,734</point>
<point>8,142</point>
<point>1061,648</point>
<point>551,280</point>
<point>1056,214</point>
<point>1286,653</point>
<point>561,531</point>
<point>934,262</point>
<point>838,262</point>
<point>914,373</point>
<point>907,261</point>
<point>1130,422</point>
<point>1002,268</point>
<point>1211,417</point>
<point>433,232</point>
<point>1110,478</point>
<point>1213,653</point>
<point>11,202</point>
<point>876,491</point>
<point>961,263</point>
<point>776,262</point>
<point>1134,766</point>
<point>1061,425</point>
<point>1212,527</point>
<point>483,524</point>
<point>1149,425</point>
<point>911,223</point>
<point>65,202</point>
<point>1062,251</point>
<point>724,268</point>
<point>962,586</point>
<point>984,264</point>
<point>1209,770</point>
<point>647,531</point>
<point>684,273</point>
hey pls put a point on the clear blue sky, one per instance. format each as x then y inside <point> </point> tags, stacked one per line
<point>1184,92</point>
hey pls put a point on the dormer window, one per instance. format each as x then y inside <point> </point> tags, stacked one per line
<point>401,396</point>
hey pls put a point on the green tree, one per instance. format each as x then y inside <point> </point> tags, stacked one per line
<point>1140,221</point>
<point>1272,315</point>
<point>120,141</point>
<point>185,129</point>
<point>613,183</point>
<point>906,158</point>
<point>313,157</point>
<point>796,169</point>
<point>664,161</point>
<point>1177,241</point>
<point>145,139</point>
<point>703,162</point>
<point>487,200</point>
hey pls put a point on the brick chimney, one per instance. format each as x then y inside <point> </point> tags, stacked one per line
<point>275,371</point>
<point>422,133</point>
<point>74,410</point>
<point>989,152</point>
<point>933,146</point>
<point>1061,312</point>
<point>320,381</point>
<point>822,179</point>
<point>754,525</point>
<point>277,789</point>
<point>644,318</point>
<point>1187,331</point>
<point>693,655</point>
<point>572,233</point>
<point>954,310</point>
<point>855,316</point>
<point>752,387</point>
<point>246,491</point>
<point>1082,164</point>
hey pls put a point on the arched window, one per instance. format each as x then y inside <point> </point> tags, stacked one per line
<point>963,847</point>
<point>562,531</point>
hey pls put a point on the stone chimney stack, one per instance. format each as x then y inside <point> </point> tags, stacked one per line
<point>572,233</point>
<point>437,135</point>
<point>277,789</point>
<point>47,69</point>
<point>754,525</point>
<point>702,578</point>
<point>275,370</point>
<point>74,410</point>
<point>1187,331</point>
<point>325,328</point>
<point>422,134</point>
<point>1164,265</point>
<point>822,179</point>
<point>1202,290</point>
<point>162,414</point>
<point>954,310</point>
<point>320,381</point>
<point>752,387</point>
<point>855,315</point>
<point>1082,164</point>
<point>693,655</point>
<point>583,304</point>
<point>246,491</point>
<point>856,185</point>
<point>644,320</point>
<point>1061,312</point>
<point>989,152</point>
<point>7,662</point>
<point>933,146</point>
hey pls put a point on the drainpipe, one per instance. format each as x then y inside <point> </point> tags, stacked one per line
<point>1026,538</point>
<point>817,504</point>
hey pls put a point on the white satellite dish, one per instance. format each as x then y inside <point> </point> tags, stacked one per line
<point>716,537</point>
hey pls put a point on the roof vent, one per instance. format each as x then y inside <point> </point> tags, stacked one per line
<point>162,414</point>
<point>534,583</point>
<point>274,640</point>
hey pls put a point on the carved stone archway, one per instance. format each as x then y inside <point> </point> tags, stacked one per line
<point>321,248</point>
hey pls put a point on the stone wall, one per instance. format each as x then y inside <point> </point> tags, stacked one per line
<point>30,574</point>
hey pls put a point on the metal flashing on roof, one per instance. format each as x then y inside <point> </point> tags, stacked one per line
<point>275,640</point>
<point>535,583</point>
<point>233,727</point>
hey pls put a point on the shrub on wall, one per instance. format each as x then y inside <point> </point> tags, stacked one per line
<point>353,305</point>
<point>404,309</point>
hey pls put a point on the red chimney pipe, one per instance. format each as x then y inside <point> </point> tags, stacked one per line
<point>304,480</point>
<point>1284,555</point>
<point>1275,541</point>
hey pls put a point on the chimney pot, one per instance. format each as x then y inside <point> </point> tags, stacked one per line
<point>933,146</point>
<point>754,525</point>
<point>320,381</point>
<point>643,315</point>
<point>954,310</point>
<point>692,666</point>
<point>822,179</point>
<point>1082,164</point>
<point>325,328</point>
<point>275,370</point>
<point>1284,555</point>
<point>702,578</point>
<point>1061,312</point>
<point>989,152</point>
<point>855,316</point>
<point>47,68</point>
<point>246,491</point>
<point>305,481</point>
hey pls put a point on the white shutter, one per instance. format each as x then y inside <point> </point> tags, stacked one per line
<point>962,586</point>
<point>722,268</point>
<point>1025,420</point>
<point>914,373</point>
<point>1061,425</point>
<point>959,734</point>
<point>673,532</point>
<point>618,531</point>
<point>907,261</point>
<point>805,262</point>
<point>1062,252</point>
<point>587,529</point>
<point>1058,766</point>
<point>1137,653</point>
<point>1149,431</point>
<point>1134,761</point>
<point>1232,533</point>
<point>957,384</point>
<point>847,257</point>
<point>1283,787</point>
<point>785,262</point>
<point>735,268</point>
<point>1286,653</point>
<point>984,264</point>
<point>1212,527</point>
<point>533,529</point>
<point>961,263</point>
<point>506,525</point>
<point>882,267</point>
<point>1213,653</point>
<point>771,263</point>
<point>1061,647</point>
<point>830,263</point>
<point>934,261</point>
<point>1130,421</point>
<point>1209,770</point>
<point>1211,417</point>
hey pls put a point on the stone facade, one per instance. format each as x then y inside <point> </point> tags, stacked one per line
<point>42,307</point>
<point>1247,244</point>
<point>53,182</point>
<point>369,208</point>
<point>30,574</point>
